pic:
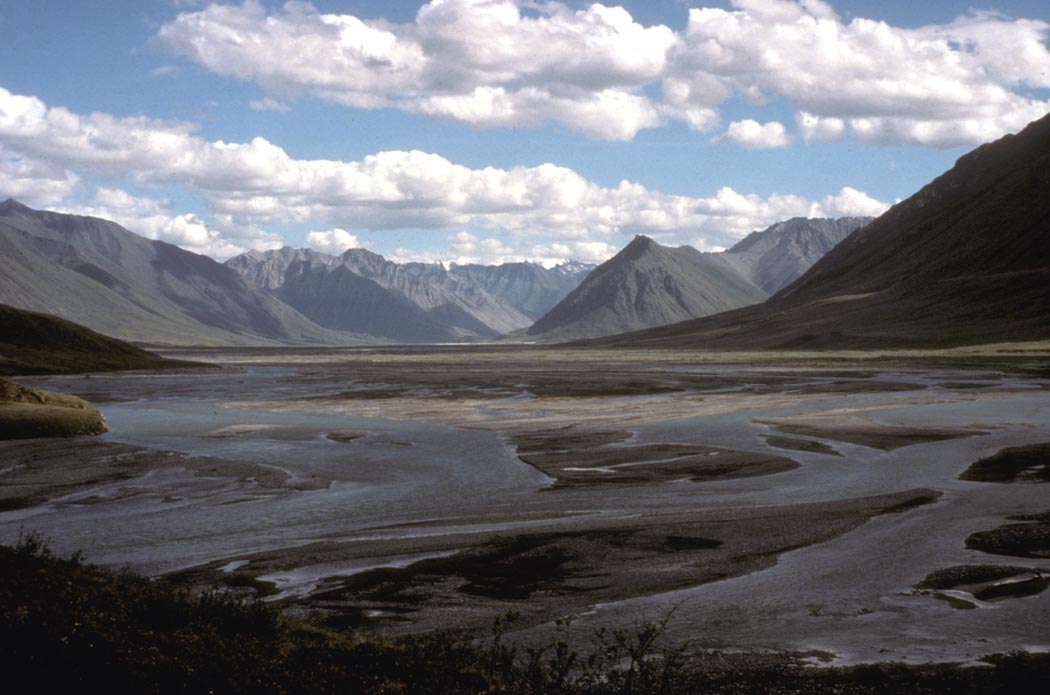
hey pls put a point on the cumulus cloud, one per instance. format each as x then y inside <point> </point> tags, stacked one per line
<point>248,186</point>
<point>599,71</point>
<point>756,136</point>
<point>941,86</point>
<point>849,202</point>
<point>814,127</point>
<point>334,241</point>
<point>483,62</point>
<point>465,248</point>
<point>154,219</point>
<point>34,182</point>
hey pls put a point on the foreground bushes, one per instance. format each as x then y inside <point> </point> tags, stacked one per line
<point>65,625</point>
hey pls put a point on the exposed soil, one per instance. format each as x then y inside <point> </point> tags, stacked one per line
<point>582,458</point>
<point>35,471</point>
<point>986,582</point>
<point>1028,539</point>
<point>858,430</point>
<point>806,445</point>
<point>1024,464</point>
<point>556,568</point>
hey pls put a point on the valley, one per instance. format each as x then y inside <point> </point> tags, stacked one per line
<point>525,347</point>
<point>787,502</point>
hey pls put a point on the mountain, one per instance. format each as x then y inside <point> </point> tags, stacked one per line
<point>779,255</point>
<point>269,269</point>
<point>100,275</point>
<point>32,343</point>
<point>330,293</point>
<point>528,287</point>
<point>467,309</point>
<point>966,260</point>
<point>647,284</point>
<point>408,302</point>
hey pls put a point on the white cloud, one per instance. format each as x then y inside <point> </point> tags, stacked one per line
<point>154,219</point>
<point>34,182</point>
<point>850,203</point>
<point>816,128</point>
<point>525,63</point>
<point>334,241</point>
<point>586,251</point>
<point>756,136</point>
<point>940,86</point>
<point>269,104</point>
<point>483,62</point>
<point>465,248</point>
<point>256,184</point>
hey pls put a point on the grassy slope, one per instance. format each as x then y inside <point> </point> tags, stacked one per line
<point>68,626</point>
<point>32,343</point>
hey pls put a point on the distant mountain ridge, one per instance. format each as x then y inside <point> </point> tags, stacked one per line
<point>102,276</point>
<point>647,284</point>
<point>364,292</point>
<point>966,260</point>
<point>780,254</point>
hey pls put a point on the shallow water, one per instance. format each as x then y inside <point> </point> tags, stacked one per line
<point>850,596</point>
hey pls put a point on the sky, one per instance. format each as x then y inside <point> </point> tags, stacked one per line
<point>500,130</point>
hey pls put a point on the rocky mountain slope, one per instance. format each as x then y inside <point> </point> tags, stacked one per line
<point>647,284</point>
<point>966,260</point>
<point>102,276</point>
<point>779,255</point>
<point>363,292</point>
<point>528,287</point>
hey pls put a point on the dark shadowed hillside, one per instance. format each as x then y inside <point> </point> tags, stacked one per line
<point>966,260</point>
<point>33,343</point>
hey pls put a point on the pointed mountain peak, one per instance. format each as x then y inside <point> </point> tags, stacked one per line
<point>11,205</point>
<point>639,246</point>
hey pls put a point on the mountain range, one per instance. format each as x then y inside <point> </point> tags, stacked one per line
<point>106,278</point>
<point>98,274</point>
<point>647,284</point>
<point>966,260</point>
<point>363,292</point>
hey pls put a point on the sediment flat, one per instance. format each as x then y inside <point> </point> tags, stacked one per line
<point>551,569</point>
<point>402,490</point>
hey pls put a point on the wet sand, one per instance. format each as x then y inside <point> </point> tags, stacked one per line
<point>587,458</point>
<point>552,569</point>
<point>862,431</point>
<point>36,471</point>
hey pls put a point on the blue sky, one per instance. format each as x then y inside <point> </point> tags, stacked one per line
<point>492,130</point>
